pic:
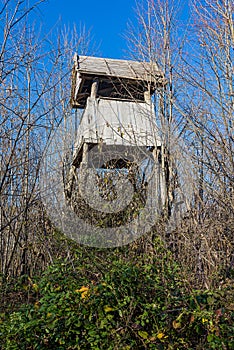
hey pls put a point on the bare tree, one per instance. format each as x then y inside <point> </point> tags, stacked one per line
<point>211,77</point>
<point>34,92</point>
<point>196,106</point>
<point>214,70</point>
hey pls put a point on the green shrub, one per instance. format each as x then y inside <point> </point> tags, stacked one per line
<point>124,305</point>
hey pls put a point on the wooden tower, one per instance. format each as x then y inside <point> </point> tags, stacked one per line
<point>118,116</point>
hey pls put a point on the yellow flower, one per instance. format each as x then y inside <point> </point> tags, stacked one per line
<point>108,308</point>
<point>204,320</point>
<point>84,292</point>
<point>82,289</point>
<point>160,335</point>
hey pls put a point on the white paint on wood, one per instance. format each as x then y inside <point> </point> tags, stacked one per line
<point>118,123</point>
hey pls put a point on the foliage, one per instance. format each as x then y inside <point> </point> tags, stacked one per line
<point>119,299</point>
<point>119,304</point>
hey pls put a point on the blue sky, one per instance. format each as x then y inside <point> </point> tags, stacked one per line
<point>107,20</point>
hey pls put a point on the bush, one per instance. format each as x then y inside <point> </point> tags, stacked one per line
<point>123,305</point>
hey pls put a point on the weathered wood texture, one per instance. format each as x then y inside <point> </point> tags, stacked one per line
<point>118,128</point>
<point>144,71</point>
<point>120,123</point>
<point>115,79</point>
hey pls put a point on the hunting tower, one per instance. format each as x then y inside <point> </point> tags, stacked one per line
<point>118,118</point>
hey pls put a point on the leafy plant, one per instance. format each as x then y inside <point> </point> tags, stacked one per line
<point>119,304</point>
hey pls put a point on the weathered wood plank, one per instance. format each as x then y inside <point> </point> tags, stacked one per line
<point>146,71</point>
<point>118,79</point>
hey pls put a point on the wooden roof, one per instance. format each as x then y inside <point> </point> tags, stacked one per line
<point>144,71</point>
<point>118,79</point>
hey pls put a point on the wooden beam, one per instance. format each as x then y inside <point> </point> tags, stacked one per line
<point>147,96</point>
<point>94,88</point>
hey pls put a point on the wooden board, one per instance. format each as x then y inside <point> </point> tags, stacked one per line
<point>144,71</point>
<point>117,79</point>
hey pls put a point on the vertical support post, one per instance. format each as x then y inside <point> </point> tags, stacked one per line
<point>147,95</point>
<point>85,155</point>
<point>94,88</point>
